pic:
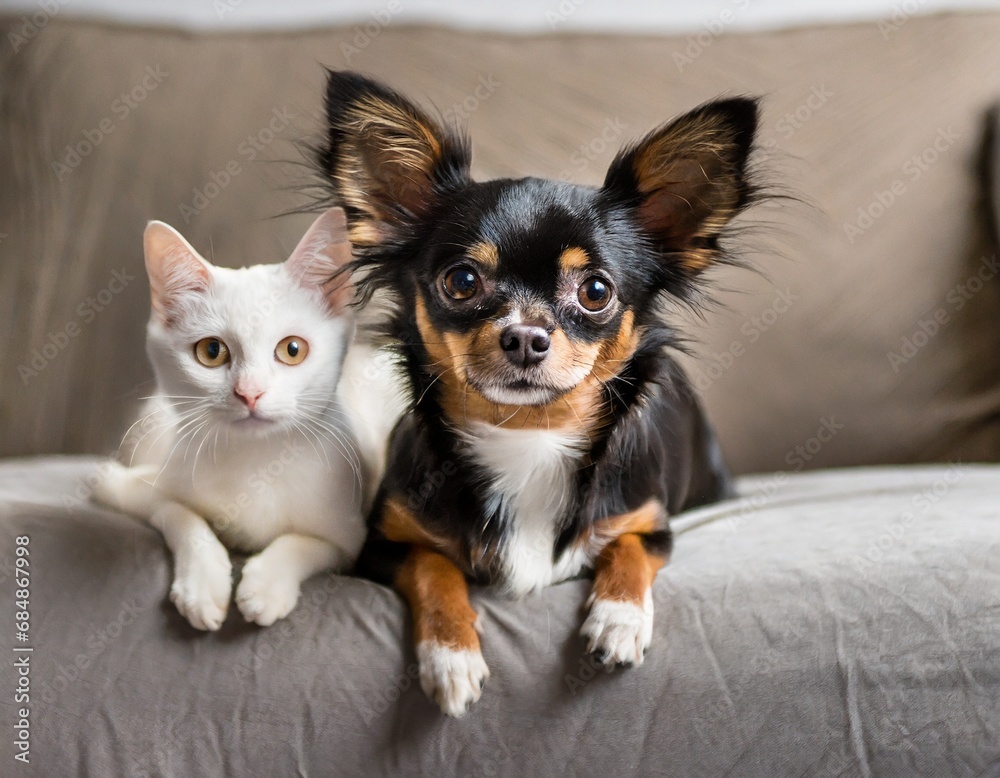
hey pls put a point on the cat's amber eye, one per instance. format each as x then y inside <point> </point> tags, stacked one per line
<point>211,352</point>
<point>292,350</point>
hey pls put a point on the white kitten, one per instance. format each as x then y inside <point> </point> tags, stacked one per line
<point>246,441</point>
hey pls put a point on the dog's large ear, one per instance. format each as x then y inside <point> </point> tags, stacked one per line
<point>687,180</point>
<point>387,161</point>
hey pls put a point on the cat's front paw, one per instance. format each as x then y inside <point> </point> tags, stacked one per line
<point>202,587</point>
<point>266,594</point>
<point>453,678</point>
<point>618,632</point>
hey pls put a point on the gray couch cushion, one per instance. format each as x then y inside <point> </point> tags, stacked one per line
<point>836,623</point>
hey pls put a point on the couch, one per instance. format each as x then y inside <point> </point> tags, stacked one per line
<point>840,616</point>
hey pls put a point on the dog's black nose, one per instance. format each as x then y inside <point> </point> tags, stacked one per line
<point>525,344</point>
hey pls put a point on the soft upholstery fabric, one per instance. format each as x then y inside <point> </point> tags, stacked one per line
<point>841,623</point>
<point>845,111</point>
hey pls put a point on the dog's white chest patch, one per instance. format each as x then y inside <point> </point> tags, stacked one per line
<point>533,474</point>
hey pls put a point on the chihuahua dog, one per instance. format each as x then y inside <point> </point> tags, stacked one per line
<point>551,432</point>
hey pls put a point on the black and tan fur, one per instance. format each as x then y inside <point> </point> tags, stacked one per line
<point>605,380</point>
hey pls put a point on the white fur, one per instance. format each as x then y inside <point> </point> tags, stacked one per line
<point>269,588</point>
<point>504,396</point>
<point>533,476</point>
<point>620,631</point>
<point>453,678</point>
<point>370,387</point>
<point>284,480</point>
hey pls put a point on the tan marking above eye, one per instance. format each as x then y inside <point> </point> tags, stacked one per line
<point>291,350</point>
<point>211,352</point>
<point>573,258</point>
<point>486,254</point>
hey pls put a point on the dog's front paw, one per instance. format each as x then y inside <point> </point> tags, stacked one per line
<point>266,594</point>
<point>201,588</point>
<point>618,632</point>
<point>453,678</point>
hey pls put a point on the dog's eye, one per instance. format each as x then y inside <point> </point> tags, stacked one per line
<point>461,283</point>
<point>594,294</point>
<point>292,350</point>
<point>211,352</point>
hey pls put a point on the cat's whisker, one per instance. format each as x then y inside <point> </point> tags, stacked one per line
<point>318,398</point>
<point>215,446</point>
<point>140,420</point>
<point>191,439</point>
<point>182,433</point>
<point>189,436</point>
<point>319,440</point>
<point>340,441</point>
<point>305,433</point>
<point>331,433</point>
<point>128,432</point>
<point>322,418</point>
<point>194,466</point>
<point>328,410</point>
<point>168,426</point>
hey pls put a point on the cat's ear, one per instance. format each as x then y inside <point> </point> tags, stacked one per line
<point>175,269</point>
<point>386,160</point>
<point>320,256</point>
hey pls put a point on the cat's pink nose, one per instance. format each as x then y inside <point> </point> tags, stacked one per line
<point>248,395</point>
